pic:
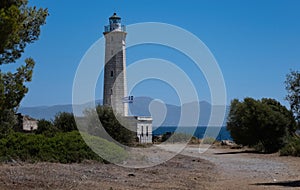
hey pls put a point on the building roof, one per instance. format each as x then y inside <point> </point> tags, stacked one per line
<point>115,16</point>
<point>144,118</point>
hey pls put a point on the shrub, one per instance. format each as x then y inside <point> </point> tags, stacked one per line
<point>259,123</point>
<point>208,140</point>
<point>111,125</point>
<point>65,122</point>
<point>63,147</point>
<point>177,137</point>
<point>7,121</point>
<point>292,148</point>
<point>47,128</point>
<point>166,136</point>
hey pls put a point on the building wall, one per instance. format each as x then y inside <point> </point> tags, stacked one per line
<point>144,131</point>
<point>142,126</point>
<point>29,124</point>
<point>115,85</point>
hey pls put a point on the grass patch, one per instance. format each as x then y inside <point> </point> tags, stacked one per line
<point>62,147</point>
<point>107,150</point>
<point>208,140</point>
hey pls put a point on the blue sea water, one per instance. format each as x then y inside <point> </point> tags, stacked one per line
<point>219,133</point>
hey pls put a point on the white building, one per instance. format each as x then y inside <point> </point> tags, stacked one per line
<point>144,129</point>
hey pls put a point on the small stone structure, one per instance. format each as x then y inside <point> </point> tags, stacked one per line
<point>27,123</point>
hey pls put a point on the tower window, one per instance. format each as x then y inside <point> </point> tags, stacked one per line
<point>111,91</point>
<point>111,73</point>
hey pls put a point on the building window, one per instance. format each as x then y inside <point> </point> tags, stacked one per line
<point>112,52</point>
<point>111,91</point>
<point>111,38</point>
<point>147,131</point>
<point>111,73</point>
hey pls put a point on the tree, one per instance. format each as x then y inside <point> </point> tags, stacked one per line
<point>110,124</point>
<point>293,88</point>
<point>259,123</point>
<point>277,107</point>
<point>46,127</point>
<point>19,26</point>
<point>65,122</point>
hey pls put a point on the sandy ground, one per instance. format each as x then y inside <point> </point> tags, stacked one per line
<point>243,169</point>
<point>217,168</point>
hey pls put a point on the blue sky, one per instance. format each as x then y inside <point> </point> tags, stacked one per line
<point>256,43</point>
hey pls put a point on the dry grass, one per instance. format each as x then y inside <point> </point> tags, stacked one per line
<point>181,172</point>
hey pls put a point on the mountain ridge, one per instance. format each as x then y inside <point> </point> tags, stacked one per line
<point>163,114</point>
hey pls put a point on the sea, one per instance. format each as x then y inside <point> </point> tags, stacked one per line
<point>220,133</point>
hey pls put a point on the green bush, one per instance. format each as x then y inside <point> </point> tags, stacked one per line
<point>46,128</point>
<point>63,147</point>
<point>259,123</point>
<point>110,123</point>
<point>177,137</point>
<point>8,119</point>
<point>65,122</point>
<point>292,148</point>
<point>208,140</point>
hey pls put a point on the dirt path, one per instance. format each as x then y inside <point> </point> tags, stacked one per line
<point>240,169</point>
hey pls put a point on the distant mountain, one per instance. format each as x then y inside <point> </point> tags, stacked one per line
<point>47,112</point>
<point>147,106</point>
<point>163,114</point>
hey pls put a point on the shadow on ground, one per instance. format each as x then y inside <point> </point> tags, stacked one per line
<point>282,183</point>
<point>240,152</point>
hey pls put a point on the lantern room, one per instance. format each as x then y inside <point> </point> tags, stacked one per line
<point>114,24</point>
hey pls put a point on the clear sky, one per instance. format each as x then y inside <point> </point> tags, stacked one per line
<point>256,43</point>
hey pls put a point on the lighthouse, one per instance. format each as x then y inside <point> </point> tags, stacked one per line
<point>115,84</point>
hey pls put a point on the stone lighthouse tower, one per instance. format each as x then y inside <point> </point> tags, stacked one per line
<point>115,85</point>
